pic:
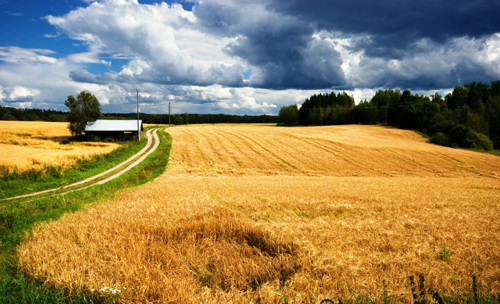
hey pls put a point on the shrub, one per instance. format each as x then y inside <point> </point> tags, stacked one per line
<point>465,137</point>
<point>496,141</point>
<point>458,134</point>
<point>288,116</point>
<point>110,140</point>
<point>440,139</point>
<point>478,140</point>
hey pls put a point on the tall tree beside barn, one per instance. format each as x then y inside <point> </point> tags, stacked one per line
<point>85,107</point>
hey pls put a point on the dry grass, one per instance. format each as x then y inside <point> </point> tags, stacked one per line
<point>242,211</point>
<point>26,145</point>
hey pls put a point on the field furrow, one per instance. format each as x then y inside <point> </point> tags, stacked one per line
<point>246,156</point>
<point>317,212</point>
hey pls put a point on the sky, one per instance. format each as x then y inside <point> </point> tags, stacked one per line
<point>239,56</point>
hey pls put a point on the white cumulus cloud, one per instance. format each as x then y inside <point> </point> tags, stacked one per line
<point>161,40</point>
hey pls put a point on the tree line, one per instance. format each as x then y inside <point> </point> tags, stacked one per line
<point>468,117</point>
<point>7,113</point>
<point>187,118</point>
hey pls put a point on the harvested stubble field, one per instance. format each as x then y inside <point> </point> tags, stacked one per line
<point>242,211</point>
<point>34,145</point>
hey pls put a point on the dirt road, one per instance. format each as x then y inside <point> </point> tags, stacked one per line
<point>141,155</point>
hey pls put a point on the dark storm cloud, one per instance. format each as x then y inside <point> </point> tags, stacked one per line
<point>394,24</point>
<point>280,40</point>
<point>85,77</point>
<point>289,59</point>
<point>18,99</point>
<point>281,47</point>
<point>433,65</point>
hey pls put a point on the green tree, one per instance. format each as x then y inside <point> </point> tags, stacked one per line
<point>85,107</point>
<point>185,117</point>
<point>178,120</point>
<point>288,115</point>
<point>386,103</point>
<point>493,115</point>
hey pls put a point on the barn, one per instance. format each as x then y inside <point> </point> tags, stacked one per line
<point>116,129</point>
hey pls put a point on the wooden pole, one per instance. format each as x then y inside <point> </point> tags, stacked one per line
<point>138,127</point>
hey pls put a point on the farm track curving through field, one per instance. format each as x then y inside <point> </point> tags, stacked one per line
<point>108,174</point>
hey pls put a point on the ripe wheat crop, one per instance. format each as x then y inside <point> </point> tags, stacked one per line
<point>243,211</point>
<point>35,145</point>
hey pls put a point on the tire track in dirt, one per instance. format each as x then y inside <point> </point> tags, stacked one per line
<point>204,143</point>
<point>341,154</point>
<point>258,159</point>
<point>225,158</point>
<point>132,165</point>
<point>305,153</point>
<point>230,159</point>
<point>191,155</point>
<point>301,153</point>
<point>280,161</point>
<point>372,158</point>
<point>268,161</point>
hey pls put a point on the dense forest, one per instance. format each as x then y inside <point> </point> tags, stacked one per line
<point>468,117</point>
<point>176,119</point>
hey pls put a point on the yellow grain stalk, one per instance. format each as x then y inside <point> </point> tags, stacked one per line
<point>317,212</point>
<point>34,145</point>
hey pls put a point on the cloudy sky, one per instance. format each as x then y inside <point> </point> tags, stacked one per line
<point>239,56</point>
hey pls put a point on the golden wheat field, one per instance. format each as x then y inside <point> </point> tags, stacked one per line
<point>243,211</point>
<point>34,144</point>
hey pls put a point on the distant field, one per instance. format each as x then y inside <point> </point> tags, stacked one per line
<point>317,212</point>
<point>27,144</point>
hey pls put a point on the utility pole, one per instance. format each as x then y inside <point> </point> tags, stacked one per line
<point>138,127</point>
<point>169,114</point>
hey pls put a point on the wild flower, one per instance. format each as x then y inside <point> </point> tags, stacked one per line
<point>106,289</point>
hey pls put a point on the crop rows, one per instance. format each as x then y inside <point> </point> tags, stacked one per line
<point>244,211</point>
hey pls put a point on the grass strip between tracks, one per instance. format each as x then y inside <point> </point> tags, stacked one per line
<point>19,218</point>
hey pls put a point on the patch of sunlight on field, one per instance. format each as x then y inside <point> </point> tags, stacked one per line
<point>244,210</point>
<point>25,145</point>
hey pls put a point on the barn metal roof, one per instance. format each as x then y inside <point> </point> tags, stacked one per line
<point>113,125</point>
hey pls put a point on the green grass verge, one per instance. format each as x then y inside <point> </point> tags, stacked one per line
<point>18,183</point>
<point>19,217</point>
<point>424,135</point>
